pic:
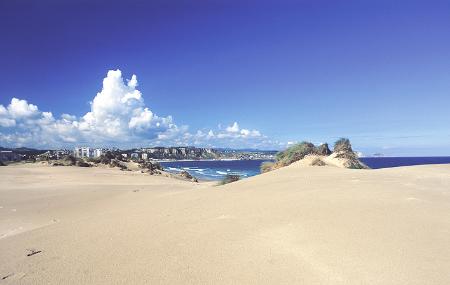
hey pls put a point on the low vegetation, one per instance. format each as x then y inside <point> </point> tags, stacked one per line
<point>186,175</point>
<point>295,153</point>
<point>317,162</point>
<point>151,167</point>
<point>229,178</point>
<point>342,145</point>
<point>266,166</point>
<point>342,149</point>
<point>110,159</point>
<point>69,160</point>
<point>81,163</point>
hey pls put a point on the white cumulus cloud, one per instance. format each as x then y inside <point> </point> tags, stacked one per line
<point>119,112</point>
<point>233,128</point>
<point>21,109</point>
<point>118,116</point>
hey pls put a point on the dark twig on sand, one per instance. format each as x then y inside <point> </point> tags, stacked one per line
<point>33,252</point>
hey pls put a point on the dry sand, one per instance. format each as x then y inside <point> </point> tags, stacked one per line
<point>295,225</point>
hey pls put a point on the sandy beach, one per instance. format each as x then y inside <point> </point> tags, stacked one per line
<point>294,225</point>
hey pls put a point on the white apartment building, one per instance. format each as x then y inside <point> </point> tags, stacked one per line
<point>83,152</point>
<point>98,152</point>
<point>87,152</point>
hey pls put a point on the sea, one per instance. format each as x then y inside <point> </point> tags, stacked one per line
<point>214,169</point>
<point>217,169</point>
<point>386,162</point>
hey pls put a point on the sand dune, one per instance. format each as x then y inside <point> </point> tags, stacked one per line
<point>294,225</point>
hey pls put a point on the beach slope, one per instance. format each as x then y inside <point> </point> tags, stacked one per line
<point>293,225</point>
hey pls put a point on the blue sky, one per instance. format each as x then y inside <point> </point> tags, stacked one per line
<point>377,72</point>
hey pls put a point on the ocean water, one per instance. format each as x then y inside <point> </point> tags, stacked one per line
<point>385,162</point>
<point>215,169</point>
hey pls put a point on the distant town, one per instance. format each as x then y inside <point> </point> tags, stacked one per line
<point>152,153</point>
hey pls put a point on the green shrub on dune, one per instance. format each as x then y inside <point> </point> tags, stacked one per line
<point>295,153</point>
<point>342,145</point>
<point>290,155</point>
<point>323,149</point>
<point>229,178</point>
<point>266,166</point>
<point>69,160</point>
<point>342,150</point>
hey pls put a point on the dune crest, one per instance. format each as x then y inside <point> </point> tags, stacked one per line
<point>307,154</point>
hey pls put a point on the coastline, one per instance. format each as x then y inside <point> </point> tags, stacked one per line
<point>194,160</point>
<point>215,170</point>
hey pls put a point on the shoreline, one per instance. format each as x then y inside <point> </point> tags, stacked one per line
<point>194,160</point>
<point>216,173</point>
